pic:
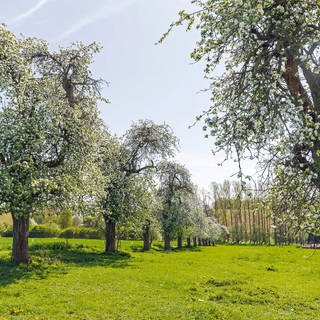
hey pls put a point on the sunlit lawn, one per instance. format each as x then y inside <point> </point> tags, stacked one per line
<point>223,282</point>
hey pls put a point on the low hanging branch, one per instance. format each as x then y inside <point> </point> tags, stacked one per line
<point>267,100</point>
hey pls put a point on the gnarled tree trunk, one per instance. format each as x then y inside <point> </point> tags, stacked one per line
<point>188,242</point>
<point>110,236</point>
<point>146,236</point>
<point>20,240</point>
<point>167,245</point>
<point>179,242</point>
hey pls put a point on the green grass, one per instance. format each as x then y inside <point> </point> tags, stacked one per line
<point>223,282</point>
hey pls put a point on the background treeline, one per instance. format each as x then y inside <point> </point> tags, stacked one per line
<point>243,213</point>
<point>247,215</point>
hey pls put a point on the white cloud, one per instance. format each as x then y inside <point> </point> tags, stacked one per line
<point>28,13</point>
<point>113,7</point>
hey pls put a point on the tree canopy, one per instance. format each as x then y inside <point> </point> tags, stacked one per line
<point>127,165</point>
<point>265,105</point>
<point>50,126</point>
<point>174,186</point>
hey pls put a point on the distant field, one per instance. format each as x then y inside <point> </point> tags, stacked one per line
<point>223,282</point>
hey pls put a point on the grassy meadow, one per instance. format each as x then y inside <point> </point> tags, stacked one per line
<point>75,280</point>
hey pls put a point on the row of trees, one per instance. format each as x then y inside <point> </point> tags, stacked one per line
<point>56,153</point>
<point>55,150</point>
<point>149,191</point>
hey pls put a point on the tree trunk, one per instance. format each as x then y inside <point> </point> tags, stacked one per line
<point>194,241</point>
<point>110,236</point>
<point>179,242</point>
<point>20,240</point>
<point>188,242</point>
<point>167,245</point>
<point>199,242</point>
<point>146,237</point>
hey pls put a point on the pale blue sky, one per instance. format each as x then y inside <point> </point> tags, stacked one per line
<point>146,81</point>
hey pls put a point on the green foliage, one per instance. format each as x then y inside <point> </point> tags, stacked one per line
<point>265,103</point>
<point>43,231</point>
<point>222,282</point>
<point>129,231</point>
<point>93,221</point>
<point>68,233</point>
<point>2,229</point>
<point>50,125</point>
<point>81,233</point>
<point>7,231</point>
<point>90,233</point>
<point>50,231</point>
<point>127,163</point>
<point>175,191</point>
<point>65,219</point>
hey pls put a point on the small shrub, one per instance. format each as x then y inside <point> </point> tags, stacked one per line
<point>69,233</point>
<point>3,229</point>
<point>8,232</point>
<point>42,231</point>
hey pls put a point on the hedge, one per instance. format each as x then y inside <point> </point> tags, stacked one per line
<point>43,231</point>
<point>81,233</point>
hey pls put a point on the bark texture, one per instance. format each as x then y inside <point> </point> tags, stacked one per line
<point>20,240</point>
<point>146,237</point>
<point>167,245</point>
<point>180,242</point>
<point>110,236</point>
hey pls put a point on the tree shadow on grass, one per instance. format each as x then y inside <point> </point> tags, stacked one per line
<point>80,255</point>
<point>39,269</point>
<point>55,259</point>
